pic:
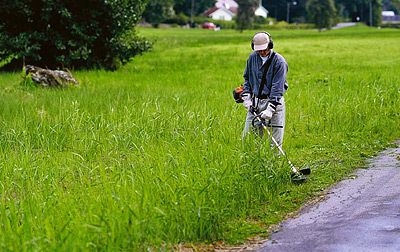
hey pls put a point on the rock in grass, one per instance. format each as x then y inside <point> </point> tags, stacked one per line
<point>49,78</point>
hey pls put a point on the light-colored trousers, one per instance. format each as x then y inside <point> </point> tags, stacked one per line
<point>277,122</point>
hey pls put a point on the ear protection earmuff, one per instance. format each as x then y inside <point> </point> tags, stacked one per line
<point>270,44</point>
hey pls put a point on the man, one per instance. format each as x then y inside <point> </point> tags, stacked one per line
<point>268,102</point>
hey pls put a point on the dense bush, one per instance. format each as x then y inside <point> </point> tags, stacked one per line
<point>260,20</point>
<point>179,19</point>
<point>158,11</point>
<point>74,34</point>
<point>283,25</point>
<point>391,25</point>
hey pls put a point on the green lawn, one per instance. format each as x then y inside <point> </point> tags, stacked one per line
<point>150,156</point>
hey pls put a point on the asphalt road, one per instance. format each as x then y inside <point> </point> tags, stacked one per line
<point>360,214</point>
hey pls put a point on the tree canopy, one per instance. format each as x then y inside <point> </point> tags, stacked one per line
<point>73,33</point>
<point>185,6</point>
<point>157,11</point>
<point>321,12</point>
<point>245,15</point>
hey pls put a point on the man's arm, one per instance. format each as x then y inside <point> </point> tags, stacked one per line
<point>246,84</point>
<point>278,82</point>
<point>246,94</point>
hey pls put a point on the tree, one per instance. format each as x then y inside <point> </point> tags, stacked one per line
<point>157,11</point>
<point>245,14</point>
<point>361,10</point>
<point>321,13</point>
<point>376,6</point>
<point>185,6</point>
<point>391,5</point>
<point>73,33</point>
<point>356,10</point>
<point>278,9</point>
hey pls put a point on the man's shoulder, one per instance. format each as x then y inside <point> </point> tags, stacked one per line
<point>253,55</point>
<point>279,57</point>
<point>252,59</point>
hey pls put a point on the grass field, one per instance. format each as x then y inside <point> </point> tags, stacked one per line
<point>150,156</point>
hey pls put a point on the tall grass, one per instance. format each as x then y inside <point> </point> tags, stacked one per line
<point>150,156</point>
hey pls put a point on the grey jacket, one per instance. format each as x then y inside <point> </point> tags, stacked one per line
<point>275,84</point>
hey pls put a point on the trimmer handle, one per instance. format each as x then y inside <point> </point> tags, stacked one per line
<point>258,120</point>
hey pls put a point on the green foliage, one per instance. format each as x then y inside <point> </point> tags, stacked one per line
<point>245,15</point>
<point>283,25</point>
<point>200,6</point>
<point>260,20</point>
<point>321,13</point>
<point>74,34</point>
<point>391,5</point>
<point>180,19</point>
<point>353,9</point>
<point>158,11</point>
<point>376,13</point>
<point>224,24</point>
<point>391,25</point>
<point>27,80</point>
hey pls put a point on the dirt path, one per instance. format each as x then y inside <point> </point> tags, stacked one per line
<point>360,214</point>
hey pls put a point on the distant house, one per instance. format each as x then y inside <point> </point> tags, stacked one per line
<point>388,13</point>
<point>219,13</point>
<point>261,11</point>
<point>390,17</point>
<point>227,9</point>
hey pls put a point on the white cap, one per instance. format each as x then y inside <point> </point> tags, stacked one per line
<point>260,41</point>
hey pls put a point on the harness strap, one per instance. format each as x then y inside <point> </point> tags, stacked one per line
<point>263,80</point>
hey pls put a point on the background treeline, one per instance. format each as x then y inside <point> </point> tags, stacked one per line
<point>181,11</point>
<point>101,33</point>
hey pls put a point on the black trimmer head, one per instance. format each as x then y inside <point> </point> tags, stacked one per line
<point>305,171</point>
<point>300,177</point>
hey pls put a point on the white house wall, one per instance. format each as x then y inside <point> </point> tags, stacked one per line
<point>260,12</point>
<point>221,15</point>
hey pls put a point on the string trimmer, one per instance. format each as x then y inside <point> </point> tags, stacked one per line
<point>298,176</point>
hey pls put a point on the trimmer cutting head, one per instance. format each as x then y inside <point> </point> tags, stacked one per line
<point>300,177</point>
<point>305,171</point>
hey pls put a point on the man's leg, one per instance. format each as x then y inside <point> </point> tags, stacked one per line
<point>278,122</point>
<point>248,125</point>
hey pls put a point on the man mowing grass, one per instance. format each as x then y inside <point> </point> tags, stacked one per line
<point>264,85</point>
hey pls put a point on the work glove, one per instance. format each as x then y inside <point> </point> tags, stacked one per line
<point>269,111</point>
<point>247,103</point>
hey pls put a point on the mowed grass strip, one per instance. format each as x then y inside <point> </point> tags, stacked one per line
<point>150,156</point>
